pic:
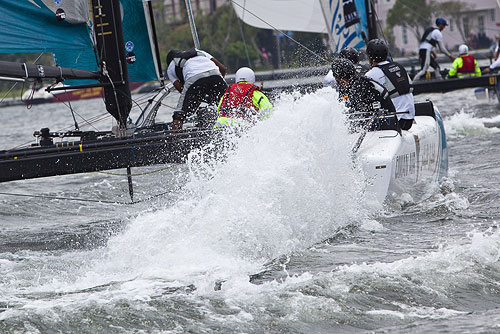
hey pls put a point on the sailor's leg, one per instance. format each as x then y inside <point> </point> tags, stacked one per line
<point>182,109</point>
<point>436,68</point>
<point>425,59</point>
<point>212,90</point>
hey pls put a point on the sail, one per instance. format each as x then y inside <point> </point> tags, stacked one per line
<point>345,20</point>
<point>138,49</point>
<point>291,15</point>
<point>64,28</point>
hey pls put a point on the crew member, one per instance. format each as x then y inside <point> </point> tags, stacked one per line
<point>495,65</point>
<point>198,76</point>
<point>395,79</point>
<point>359,92</point>
<point>431,38</point>
<point>464,65</point>
<point>242,102</point>
<point>351,54</point>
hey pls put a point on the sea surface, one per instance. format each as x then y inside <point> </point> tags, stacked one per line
<point>277,238</point>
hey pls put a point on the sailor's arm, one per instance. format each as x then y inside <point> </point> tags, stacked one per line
<point>453,70</point>
<point>477,69</point>
<point>444,50</point>
<point>221,66</point>
<point>172,76</point>
<point>495,64</point>
<point>261,101</point>
<point>178,85</point>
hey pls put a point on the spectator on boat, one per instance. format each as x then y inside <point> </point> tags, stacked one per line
<point>359,93</point>
<point>431,38</point>
<point>242,102</point>
<point>199,77</point>
<point>464,65</point>
<point>395,79</point>
<point>351,54</point>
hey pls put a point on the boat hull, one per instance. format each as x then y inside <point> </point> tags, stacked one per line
<point>411,162</point>
<point>104,154</point>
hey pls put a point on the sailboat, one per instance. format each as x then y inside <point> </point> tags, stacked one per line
<point>395,162</point>
<point>97,44</point>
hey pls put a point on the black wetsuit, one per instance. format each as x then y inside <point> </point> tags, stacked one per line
<point>359,97</point>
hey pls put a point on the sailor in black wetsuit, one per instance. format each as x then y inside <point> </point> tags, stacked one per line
<point>395,79</point>
<point>431,38</point>
<point>351,54</point>
<point>198,77</point>
<point>359,92</point>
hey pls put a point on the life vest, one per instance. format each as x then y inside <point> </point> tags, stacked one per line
<point>180,58</point>
<point>426,34</point>
<point>468,65</point>
<point>361,69</point>
<point>237,101</point>
<point>397,82</point>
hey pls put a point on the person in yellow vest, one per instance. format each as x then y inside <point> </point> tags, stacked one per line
<point>242,102</point>
<point>464,65</point>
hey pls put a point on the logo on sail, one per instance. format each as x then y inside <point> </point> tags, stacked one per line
<point>60,14</point>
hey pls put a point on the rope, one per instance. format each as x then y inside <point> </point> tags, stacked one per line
<point>63,198</point>
<point>88,199</point>
<point>280,31</point>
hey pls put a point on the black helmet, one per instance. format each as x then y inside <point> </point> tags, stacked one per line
<point>343,68</point>
<point>377,50</point>
<point>351,54</point>
<point>170,56</point>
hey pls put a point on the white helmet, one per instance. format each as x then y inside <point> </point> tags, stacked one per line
<point>463,49</point>
<point>245,74</point>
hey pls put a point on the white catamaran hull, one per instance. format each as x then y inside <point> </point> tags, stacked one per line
<point>406,163</point>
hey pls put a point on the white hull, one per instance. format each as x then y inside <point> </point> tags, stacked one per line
<point>406,163</point>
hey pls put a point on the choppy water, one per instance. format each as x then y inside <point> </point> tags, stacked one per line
<point>286,209</point>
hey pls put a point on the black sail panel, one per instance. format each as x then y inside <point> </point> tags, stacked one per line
<point>111,53</point>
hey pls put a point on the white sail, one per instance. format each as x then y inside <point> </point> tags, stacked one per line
<point>343,20</point>
<point>290,15</point>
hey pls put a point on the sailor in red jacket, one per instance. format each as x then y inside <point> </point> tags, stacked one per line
<point>465,65</point>
<point>242,102</point>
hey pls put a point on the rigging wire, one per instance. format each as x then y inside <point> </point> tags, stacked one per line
<point>102,201</point>
<point>243,37</point>
<point>280,31</point>
<point>6,94</point>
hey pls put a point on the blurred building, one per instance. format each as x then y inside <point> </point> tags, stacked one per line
<point>175,10</point>
<point>477,27</point>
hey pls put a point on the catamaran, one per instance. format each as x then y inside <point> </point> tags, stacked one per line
<point>93,48</point>
<point>394,161</point>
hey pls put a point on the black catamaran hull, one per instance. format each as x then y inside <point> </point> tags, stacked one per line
<point>79,157</point>
<point>448,85</point>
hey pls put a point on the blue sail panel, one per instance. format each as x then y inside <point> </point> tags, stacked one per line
<point>62,28</point>
<point>31,26</point>
<point>137,44</point>
<point>346,20</point>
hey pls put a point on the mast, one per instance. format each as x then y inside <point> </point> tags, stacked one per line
<point>371,20</point>
<point>153,40</point>
<point>111,51</point>
<point>192,25</point>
